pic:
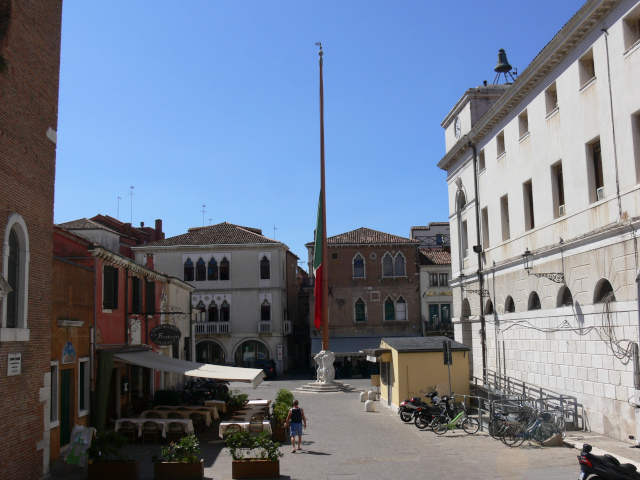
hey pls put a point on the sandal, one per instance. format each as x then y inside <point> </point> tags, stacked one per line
<point>293,451</point>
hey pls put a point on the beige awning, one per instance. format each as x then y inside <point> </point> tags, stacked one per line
<point>163,363</point>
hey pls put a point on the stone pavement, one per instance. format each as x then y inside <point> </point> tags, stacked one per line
<point>343,442</point>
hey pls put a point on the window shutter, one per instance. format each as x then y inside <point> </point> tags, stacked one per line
<point>107,281</point>
<point>151,297</point>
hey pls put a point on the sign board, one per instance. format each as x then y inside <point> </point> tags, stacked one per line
<point>279,351</point>
<point>165,334</point>
<point>446,349</point>
<point>14,364</point>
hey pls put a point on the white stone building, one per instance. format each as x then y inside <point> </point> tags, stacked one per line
<point>551,165</point>
<point>245,295</point>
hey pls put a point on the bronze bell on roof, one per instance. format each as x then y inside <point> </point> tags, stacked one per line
<point>503,64</point>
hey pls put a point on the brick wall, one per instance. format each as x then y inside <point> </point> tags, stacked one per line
<point>28,110</point>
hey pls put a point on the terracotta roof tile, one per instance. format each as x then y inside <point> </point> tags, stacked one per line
<point>366,236</point>
<point>434,256</point>
<point>85,224</point>
<point>220,234</point>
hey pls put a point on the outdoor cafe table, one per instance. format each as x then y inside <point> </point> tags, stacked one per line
<point>266,426</point>
<point>263,403</point>
<point>162,424</point>
<point>220,404</point>
<point>190,408</point>
<point>206,414</point>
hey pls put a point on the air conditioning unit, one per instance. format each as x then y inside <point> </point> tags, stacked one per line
<point>600,193</point>
<point>561,210</point>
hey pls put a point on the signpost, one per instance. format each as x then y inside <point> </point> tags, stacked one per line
<point>448,359</point>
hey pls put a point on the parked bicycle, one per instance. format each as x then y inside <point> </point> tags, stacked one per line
<point>537,430</point>
<point>444,422</point>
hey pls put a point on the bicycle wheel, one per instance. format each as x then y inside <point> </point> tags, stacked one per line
<point>544,432</point>
<point>495,427</point>
<point>562,426</point>
<point>513,436</point>
<point>440,426</point>
<point>470,425</point>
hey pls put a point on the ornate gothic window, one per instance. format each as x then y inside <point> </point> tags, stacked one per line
<point>358,266</point>
<point>265,268</point>
<point>389,310</point>
<point>387,265</point>
<point>188,270</point>
<point>224,269</point>
<point>399,270</point>
<point>360,310</point>
<point>265,311</point>
<point>401,309</point>
<point>213,312</point>
<point>212,270</point>
<point>13,280</point>
<point>201,270</point>
<point>225,312</point>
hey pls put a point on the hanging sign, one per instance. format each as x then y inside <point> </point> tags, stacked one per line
<point>165,334</point>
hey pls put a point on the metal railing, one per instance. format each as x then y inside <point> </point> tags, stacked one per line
<point>264,326</point>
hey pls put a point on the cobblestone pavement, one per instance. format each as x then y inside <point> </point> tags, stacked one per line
<point>343,442</point>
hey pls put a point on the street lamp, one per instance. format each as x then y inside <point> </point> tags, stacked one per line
<point>527,258</point>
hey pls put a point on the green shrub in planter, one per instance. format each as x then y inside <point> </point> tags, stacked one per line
<point>185,450</point>
<point>284,396</point>
<point>237,399</point>
<point>107,447</point>
<point>244,446</point>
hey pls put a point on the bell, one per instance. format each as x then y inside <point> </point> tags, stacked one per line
<point>503,65</point>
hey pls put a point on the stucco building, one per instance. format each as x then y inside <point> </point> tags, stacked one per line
<point>543,180</point>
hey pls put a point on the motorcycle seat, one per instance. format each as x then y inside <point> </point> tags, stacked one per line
<point>628,468</point>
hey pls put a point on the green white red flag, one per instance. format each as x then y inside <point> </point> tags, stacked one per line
<point>317,269</point>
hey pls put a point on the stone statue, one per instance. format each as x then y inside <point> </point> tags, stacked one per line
<point>329,371</point>
<point>320,368</point>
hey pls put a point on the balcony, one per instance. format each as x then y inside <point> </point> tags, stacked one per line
<point>286,326</point>
<point>264,326</point>
<point>215,328</point>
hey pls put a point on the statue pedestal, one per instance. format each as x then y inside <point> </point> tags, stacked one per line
<point>325,382</point>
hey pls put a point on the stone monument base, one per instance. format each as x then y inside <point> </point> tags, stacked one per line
<point>320,387</point>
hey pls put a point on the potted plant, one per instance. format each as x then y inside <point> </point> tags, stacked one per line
<point>180,460</point>
<point>279,412</point>
<point>106,460</point>
<point>235,401</point>
<point>254,457</point>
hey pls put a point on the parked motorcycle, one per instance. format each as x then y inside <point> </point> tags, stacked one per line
<point>408,407</point>
<point>604,467</point>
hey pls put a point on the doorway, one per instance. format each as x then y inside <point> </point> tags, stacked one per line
<point>65,406</point>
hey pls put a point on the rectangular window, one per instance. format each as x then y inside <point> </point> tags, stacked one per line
<point>500,148</point>
<point>110,288</point>
<point>523,124</point>
<point>527,191</point>
<point>433,279</point>
<point>551,99</point>
<point>587,68</point>
<point>360,311</point>
<point>596,178</point>
<point>504,215</point>
<point>55,389</point>
<point>84,384</point>
<point>150,293</point>
<point>444,280</point>
<point>558,190</point>
<point>401,311</point>
<point>481,163</point>
<point>631,26</point>
<point>439,317</point>
<point>485,227</point>
<point>635,127</point>
<point>464,244</point>
<point>136,297</point>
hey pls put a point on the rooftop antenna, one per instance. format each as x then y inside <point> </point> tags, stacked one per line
<point>274,231</point>
<point>504,68</point>
<point>203,210</point>
<point>118,215</point>
<point>210,221</point>
<point>131,193</point>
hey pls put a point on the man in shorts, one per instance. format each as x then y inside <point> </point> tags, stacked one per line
<point>295,421</point>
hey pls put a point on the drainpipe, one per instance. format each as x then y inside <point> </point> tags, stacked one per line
<point>126,308</point>
<point>483,333</point>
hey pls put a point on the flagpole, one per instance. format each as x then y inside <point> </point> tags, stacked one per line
<point>325,258</point>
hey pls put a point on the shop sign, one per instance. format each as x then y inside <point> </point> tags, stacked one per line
<point>14,364</point>
<point>165,334</point>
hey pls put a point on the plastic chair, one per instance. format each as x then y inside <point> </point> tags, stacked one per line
<point>150,430</point>
<point>175,430</point>
<point>231,429</point>
<point>198,421</point>
<point>128,429</point>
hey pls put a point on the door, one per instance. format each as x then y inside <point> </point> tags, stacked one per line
<point>65,406</point>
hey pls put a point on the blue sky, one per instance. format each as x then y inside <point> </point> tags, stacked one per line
<point>209,102</point>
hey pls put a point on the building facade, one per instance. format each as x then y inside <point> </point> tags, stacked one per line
<point>245,299</point>
<point>374,292</point>
<point>543,180</point>
<point>29,81</point>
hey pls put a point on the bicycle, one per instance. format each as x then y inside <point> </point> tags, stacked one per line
<point>557,417</point>
<point>537,430</point>
<point>500,422</point>
<point>443,422</point>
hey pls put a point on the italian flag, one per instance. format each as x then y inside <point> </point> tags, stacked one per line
<point>317,268</point>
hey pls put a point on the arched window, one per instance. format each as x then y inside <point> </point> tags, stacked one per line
<point>488,309</point>
<point>360,311</point>
<point>534,301</point>
<point>466,308</point>
<point>265,311</point>
<point>249,351</point>
<point>224,269</point>
<point>462,200</point>
<point>265,268</point>
<point>389,310</point>
<point>509,306</point>
<point>225,312</point>
<point>401,309</point>
<point>212,270</point>
<point>202,309</point>
<point>208,351</point>
<point>387,265</point>
<point>13,280</point>
<point>188,270</point>
<point>565,298</point>
<point>213,312</point>
<point>201,271</point>
<point>399,270</point>
<point>358,266</point>
<point>604,292</point>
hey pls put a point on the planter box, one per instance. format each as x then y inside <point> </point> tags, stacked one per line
<point>178,471</point>
<point>280,434</point>
<point>111,470</point>
<point>255,469</point>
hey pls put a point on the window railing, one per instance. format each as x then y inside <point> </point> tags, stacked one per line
<point>212,327</point>
<point>264,326</point>
<point>287,327</point>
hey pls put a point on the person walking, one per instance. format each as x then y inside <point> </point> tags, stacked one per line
<point>295,421</point>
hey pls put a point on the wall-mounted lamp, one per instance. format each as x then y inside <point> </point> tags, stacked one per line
<point>527,258</point>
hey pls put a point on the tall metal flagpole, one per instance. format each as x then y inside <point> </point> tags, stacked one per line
<point>325,258</point>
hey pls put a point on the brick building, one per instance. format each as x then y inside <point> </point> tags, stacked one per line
<point>374,292</point>
<point>29,80</point>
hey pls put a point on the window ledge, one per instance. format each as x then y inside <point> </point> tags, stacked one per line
<point>358,278</point>
<point>587,84</point>
<point>502,155</point>
<point>524,137</point>
<point>14,334</point>
<point>55,424</point>
<point>83,413</point>
<point>631,49</point>
<point>552,113</point>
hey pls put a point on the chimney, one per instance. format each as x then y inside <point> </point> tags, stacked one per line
<point>141,224</point>
<point>149,260</point>
<point>159,232</point>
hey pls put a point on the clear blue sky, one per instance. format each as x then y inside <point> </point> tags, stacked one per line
<point>216,102</point>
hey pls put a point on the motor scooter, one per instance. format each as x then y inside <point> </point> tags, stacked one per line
<point>604,467</point>
<point>407,408</point>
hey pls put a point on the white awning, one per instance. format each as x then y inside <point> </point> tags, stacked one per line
<point>183,367</point>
